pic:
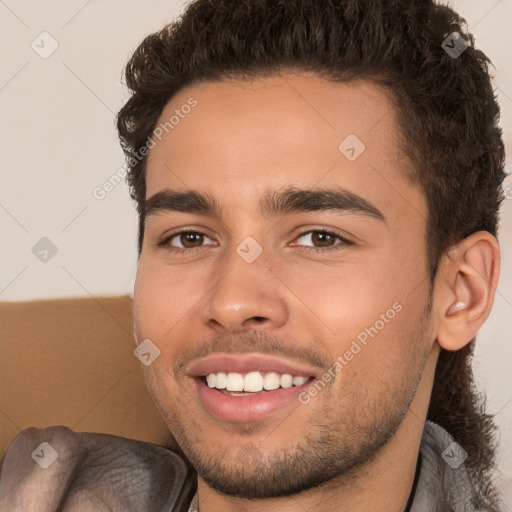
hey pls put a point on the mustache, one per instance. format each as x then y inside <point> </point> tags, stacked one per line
<point>251,342</point>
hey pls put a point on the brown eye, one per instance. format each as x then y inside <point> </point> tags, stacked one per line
<point>322,239</point>
<point>185,240</point>
<point>319,239</point>
<point>191,239</point>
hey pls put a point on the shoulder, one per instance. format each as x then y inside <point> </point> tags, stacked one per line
<point>56,466</point>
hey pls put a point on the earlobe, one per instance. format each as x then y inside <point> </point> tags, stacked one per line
<point>465,289</point>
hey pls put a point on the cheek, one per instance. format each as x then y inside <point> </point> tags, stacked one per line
<point>162,296</point>
<point>147,295</point>
<point>375,303</point>
<point>354,295</point>
<point>381,365</point>
<point>155,308</point>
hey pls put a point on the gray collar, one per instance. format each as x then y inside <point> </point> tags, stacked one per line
<point>443,482</point>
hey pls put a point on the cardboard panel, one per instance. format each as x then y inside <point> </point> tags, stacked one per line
<point>70,362</point>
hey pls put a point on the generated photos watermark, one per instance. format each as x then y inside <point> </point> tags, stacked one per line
<point>101,191</point>
<point>357,345</point>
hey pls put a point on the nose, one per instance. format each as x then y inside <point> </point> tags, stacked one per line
<point>247,296</point>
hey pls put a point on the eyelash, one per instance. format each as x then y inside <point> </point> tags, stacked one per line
<point>181,250</point>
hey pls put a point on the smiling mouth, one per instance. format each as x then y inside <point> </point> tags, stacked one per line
<point>238,384</point>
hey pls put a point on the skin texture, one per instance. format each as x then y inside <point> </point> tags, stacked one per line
<point>355,443</point>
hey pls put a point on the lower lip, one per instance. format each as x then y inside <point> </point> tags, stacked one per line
<point>246,408</point>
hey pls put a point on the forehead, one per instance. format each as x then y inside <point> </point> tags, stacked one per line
<point>242,138</point>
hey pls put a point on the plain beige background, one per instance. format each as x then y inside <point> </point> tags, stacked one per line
<point>59,144</point>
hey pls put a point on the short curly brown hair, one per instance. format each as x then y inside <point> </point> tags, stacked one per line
<point>445,106</point>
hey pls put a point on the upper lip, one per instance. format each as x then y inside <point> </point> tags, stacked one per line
<point>245,363</point>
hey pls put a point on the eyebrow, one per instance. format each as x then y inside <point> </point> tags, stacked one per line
<point>275,202</point>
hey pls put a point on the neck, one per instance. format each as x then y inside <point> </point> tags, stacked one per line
<point>383,483</point>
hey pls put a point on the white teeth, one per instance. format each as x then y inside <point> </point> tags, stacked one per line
<point>235,382</point>
<point>210,379</point>
<point>221,380</point>
<point>252,382</point>
<point>286,381</point>
<point>271,381</point>
<point>298,381</point>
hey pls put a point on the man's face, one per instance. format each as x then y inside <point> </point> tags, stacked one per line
<point>260,288</point>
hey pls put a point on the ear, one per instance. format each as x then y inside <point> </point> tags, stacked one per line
<point>464,289</point>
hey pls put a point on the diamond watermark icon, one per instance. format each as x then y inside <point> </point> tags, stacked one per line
<point>249,249</point>
<point>351,147</point>
<point>454,45</point>
<point>146,352</point>
<point>44,45</point>
<point>45,455</point>
<point>44,250</point>
<point>454,455</point>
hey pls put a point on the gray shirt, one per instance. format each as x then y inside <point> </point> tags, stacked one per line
<point>51,469</point>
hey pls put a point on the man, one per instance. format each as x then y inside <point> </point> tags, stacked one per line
<point>318,184</point>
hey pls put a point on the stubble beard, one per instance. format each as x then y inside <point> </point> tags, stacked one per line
<point>334,446</point>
